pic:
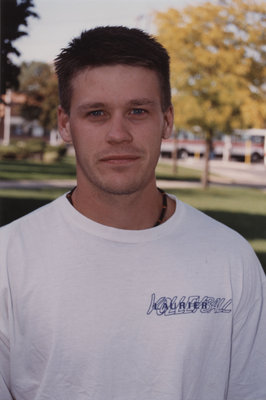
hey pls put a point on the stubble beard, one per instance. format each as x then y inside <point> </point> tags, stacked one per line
<point>109,187</point>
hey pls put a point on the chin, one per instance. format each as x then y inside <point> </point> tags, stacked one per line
<point>121,188</point>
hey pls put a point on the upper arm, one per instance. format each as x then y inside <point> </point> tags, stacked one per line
<point>248,356</point>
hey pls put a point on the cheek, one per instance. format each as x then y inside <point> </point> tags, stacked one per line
<point>153,146</point>
<point>154,138</point>
<point>82,137</point>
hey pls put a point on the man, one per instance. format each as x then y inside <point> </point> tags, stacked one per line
<point>117,290</point>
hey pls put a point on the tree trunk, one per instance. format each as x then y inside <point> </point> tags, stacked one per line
<point>205,172</point>
<point>7,118</point>
<point>175,152</point>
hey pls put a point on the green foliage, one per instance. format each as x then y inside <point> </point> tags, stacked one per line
<point>38,82</point>
<point>14,13</point>
<point>34,145</point>
<point>49,105</point>
<point>31,149</point>
<point>33,77</point>
<point>9,152</point>
<point>218,65</point>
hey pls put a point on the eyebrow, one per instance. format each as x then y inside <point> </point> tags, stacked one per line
<point>133,102</point>
<point>87,106</point>
<point>141,102</point>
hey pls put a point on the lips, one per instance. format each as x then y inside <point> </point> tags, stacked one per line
<point>120,159</point>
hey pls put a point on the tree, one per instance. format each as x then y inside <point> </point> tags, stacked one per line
<point>38,82</point>
<point>14,13</point>
<point>48,116</point>
<point>218,66</point>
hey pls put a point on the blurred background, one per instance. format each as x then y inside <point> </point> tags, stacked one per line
<point>216,157</point>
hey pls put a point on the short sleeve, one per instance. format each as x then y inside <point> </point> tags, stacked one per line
<point>247,379</point>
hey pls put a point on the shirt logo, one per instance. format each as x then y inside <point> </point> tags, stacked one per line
<point>188,305</point>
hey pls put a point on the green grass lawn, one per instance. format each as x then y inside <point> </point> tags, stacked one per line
<point>165,171</point>
<point>242,209</point>
<point>21,169</point>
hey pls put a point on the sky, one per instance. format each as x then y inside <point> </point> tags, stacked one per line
<point>61,20</point>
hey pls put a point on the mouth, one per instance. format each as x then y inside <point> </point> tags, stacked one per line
<point>121,159</point>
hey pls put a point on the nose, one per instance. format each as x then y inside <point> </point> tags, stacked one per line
<point>118,131</point>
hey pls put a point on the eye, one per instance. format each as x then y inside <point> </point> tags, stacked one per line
<point>96,113</point>
<point>138,111</point>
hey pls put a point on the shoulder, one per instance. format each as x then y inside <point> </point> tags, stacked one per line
<point>32,223</point>
<point>209,239</point>
<point>200,226</point>
<point>220,252</point>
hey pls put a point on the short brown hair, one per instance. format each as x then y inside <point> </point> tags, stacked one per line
<point>112,45</point>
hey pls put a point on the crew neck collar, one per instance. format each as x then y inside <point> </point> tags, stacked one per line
<point>77,219</point>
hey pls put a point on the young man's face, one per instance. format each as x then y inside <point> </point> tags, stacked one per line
<point>116,124</point>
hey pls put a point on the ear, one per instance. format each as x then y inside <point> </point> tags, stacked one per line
<point>64,125</point>
<point>168,122</point>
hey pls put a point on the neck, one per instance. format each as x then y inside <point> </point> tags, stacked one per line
<point>139,210</point>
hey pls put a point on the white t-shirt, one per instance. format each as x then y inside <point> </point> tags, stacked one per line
<point>98,313</point>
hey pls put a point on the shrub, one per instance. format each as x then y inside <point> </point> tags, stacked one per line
<point>32,149</point>
<point>8,152</point>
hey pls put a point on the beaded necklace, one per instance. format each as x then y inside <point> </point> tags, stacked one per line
<point>163,211</point>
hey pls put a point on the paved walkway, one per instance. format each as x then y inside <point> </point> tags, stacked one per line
<point>37,184</point>
<point>224,173</point>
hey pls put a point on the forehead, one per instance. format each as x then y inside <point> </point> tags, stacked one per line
<point>115,80</point>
